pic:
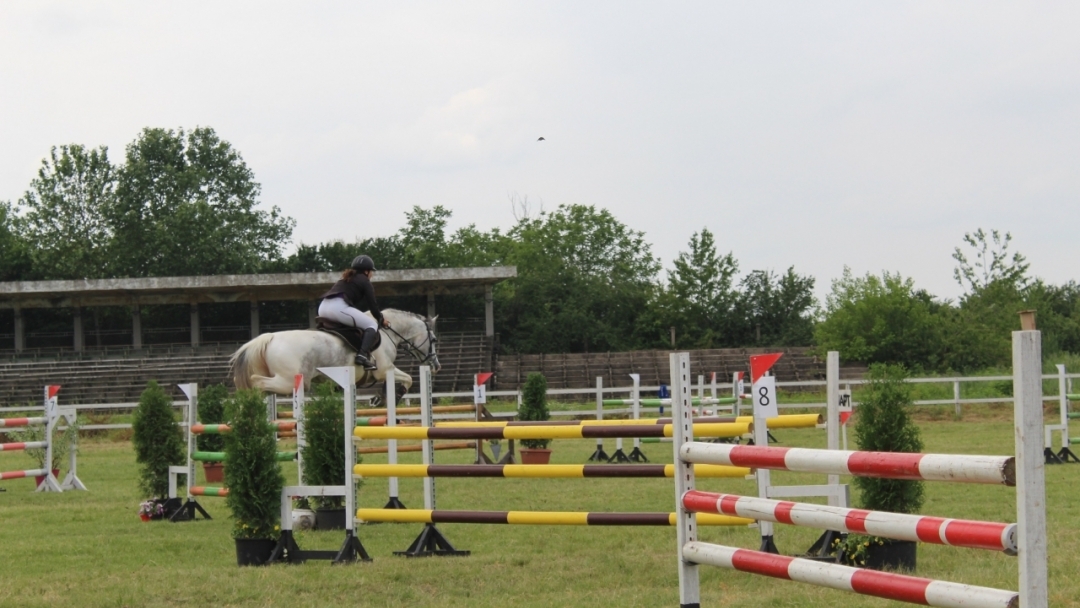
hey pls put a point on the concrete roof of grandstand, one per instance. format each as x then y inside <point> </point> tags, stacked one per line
<point>242,287</point>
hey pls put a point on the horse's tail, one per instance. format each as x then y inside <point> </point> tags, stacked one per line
<point>250,360</point>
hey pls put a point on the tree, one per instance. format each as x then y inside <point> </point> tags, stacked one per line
<point>777,310</point>
<point>186,203</point>
<point>14,252</point>
<point>882,424</point>
<point>156,439</point>
<point>583,280</point>
<point>990,264</point>
<point>699,300</point>
<point>64,214</point>
<point>882,319</point>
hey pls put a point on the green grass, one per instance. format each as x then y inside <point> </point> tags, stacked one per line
<point>91,549</point>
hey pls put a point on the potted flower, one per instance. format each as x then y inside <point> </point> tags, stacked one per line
<point>158,444</point>
<point>882,424</point>
<point>61,446</point>
<point>151,509</point>
<point>534,408</point>
<point>212,411</point>
<point>324,454</point>
<point>253,476</point>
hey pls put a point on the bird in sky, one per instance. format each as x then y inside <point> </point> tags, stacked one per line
<point>541,139</point>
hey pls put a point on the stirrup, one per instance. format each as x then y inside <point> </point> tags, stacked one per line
<point>366,362</point>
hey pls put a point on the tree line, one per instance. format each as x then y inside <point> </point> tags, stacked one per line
<point>185,203</point>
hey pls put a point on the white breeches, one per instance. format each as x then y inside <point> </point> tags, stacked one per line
<point>336,309</point>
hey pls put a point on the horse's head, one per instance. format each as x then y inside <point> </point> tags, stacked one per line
<point>416,334</point>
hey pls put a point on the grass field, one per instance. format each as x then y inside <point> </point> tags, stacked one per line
<point>91,549</point>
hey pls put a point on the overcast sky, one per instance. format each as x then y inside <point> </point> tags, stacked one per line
<point>866,134</point>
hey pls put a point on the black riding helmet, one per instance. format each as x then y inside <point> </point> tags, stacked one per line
<point>363,263</point>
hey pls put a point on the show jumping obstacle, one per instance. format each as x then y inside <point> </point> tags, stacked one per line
<point>1026,539</point>
<point>1065,454</point>
<point>53,414</point>
<point>190,508</point>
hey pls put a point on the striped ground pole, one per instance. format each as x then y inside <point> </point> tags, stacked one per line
<point>542,471</point>
<point>537,518</point>
<point>918,528</point>
<point>640,421</point>
<point>223,429</point>
<point>724,429</point>
<point>887,585</point>
<point>13,422</point>
<point>887,465</point>
<point>21,474</point>
<point>25,445</point>
<point>209,491</point>
<point>220,456</point>
<point>401,411</point>
<point>460,445</point>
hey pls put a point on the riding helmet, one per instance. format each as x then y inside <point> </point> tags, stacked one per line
<point>363,263</point>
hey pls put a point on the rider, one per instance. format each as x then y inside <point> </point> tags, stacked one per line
<point>347,299</point>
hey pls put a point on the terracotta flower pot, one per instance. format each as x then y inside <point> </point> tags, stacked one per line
<point>535,456</point>
<point>41,478</point>
<point>214,471</point>
<point>144,516</point>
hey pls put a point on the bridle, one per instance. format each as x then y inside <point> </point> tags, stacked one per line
<point>414,350</point>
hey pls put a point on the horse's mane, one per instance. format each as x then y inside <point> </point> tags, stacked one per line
<point>405,313</point>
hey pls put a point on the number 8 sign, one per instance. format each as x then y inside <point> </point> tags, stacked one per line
<point>764,387</point>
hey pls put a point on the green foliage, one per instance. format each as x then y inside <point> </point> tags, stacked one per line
<point>776,310</point>
<point>212,411</point>
<point>62,442</point>
<point>252,472</point>
<point>534,407</point>
<point>880,319</point>
<point>324,433</point>
<point>186,204</point>
<point>157,441</point>
<point>882,424</point>
<point>990,264</point>
<point>15,261</point>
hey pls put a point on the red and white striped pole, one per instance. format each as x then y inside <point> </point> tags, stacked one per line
<point>14,422</point>
<point>887,465</point>
<point>25,445</point>
<point>899,587</point>
<point>917,528</point>
<point>21,474</point>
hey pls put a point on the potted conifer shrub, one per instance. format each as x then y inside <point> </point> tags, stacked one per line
<point>253,476</point>
<point>212,411</point>
<point>883,424</point>
<point>534,408</point>
<point>324,453</point>
<point>158,445</point>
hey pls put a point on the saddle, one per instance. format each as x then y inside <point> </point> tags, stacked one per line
<point>350,335</point>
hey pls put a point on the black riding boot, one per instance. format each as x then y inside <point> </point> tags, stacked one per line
<point>363,356</point>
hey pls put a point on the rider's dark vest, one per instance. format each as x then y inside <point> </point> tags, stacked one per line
<point>358,293</point>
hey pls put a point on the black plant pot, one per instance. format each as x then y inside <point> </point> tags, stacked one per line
<point>330,518</point>
<point>893,555</point>
<point>254,551</point>
<point>171,505</point>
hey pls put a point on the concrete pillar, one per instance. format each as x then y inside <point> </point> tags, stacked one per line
<point>254,318</point>
<point>195,331</point>
<point>136,327</point>
<point>489,312</point>
<point>79,344</point>
<point>312,312</point>
<point>431,305</point>
<point>20,331</point>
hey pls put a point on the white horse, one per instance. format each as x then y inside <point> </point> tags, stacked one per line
<point>271,361</point>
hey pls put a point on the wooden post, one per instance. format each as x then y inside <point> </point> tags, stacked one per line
<point>312,312</point>
<point>20,331</point>
<point>431,306</point>
<point>195,333</point>
<point>254,319</point>
<point>78,330</point>
<point>136,326</point>
<point>1030,465</point>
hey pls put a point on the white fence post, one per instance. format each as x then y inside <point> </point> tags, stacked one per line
<point>1030,467</point>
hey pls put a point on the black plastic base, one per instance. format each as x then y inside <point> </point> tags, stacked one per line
<point>599,455</point>
<point>619,456</point>
<point>430,542</point>
<point>1064,456</point>
<point>289,552</point>
<point>187,512</point>
<point>394,503</point>
<point>768,546</point>
<point>638,456</point>
<point>823,546</point>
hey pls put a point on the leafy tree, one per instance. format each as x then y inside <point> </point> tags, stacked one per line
<point>534,407</point>
<point>252,472</point>
<point>14,252</point>
<point>64,213</point>
<point>157,441</point>
<point>777,310</point>
<point>990,263</point>
<point>583,280</point>
<point>880,320</point>
<point>698,300</point>
<point>186,203</point>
